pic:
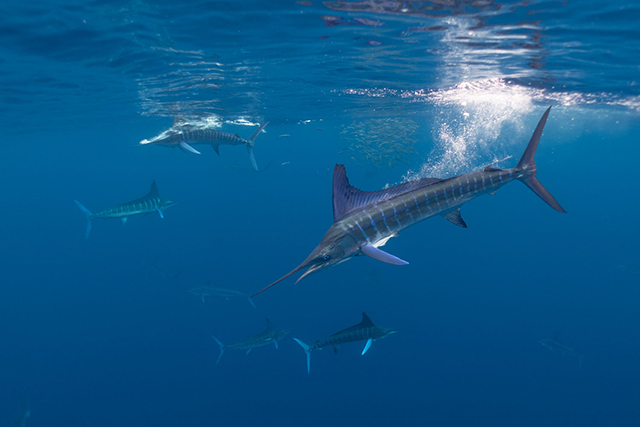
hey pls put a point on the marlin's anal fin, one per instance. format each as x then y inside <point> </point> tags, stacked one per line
<point>216,148</point>
<point>248,351</point>
<point>367,346</point>
<point>124,220</point>
<point>455,218</point>
<point>188,147</point>
<point>160,213</point>
<point>381,255</point>
<point>335,349</point>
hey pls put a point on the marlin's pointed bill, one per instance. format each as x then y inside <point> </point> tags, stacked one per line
<point>366,220</point>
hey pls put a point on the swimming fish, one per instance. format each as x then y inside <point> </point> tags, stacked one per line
<point>184,136</point>
<point>363,331</point>
<point>208,290</point>
<point>364,221</point>
<point>152,202</point>
<point>268,336</point>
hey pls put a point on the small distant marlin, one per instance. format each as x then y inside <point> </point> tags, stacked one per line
<point>150,203</point>
<point>366,220</point>
<point>184,135</point>
<point>208,290</point>
<point>363,331</point>
<point>153,263</point>
<point>266,337</point>
<point>554,345</point>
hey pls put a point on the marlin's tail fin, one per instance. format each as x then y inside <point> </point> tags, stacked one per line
<point>221,348</point>
<point>250,145</point>
<point>527,164</point>
<point>306,350</point>
<point>88,214</point>
<point>580,360</point>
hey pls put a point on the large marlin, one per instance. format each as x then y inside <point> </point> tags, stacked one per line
<point>184,136</point>
<point>268,336</point>
<point>152,202</point>
<point>363,331</point>
<point>366,220</point>
<point>556,346</point>
<point>207,289</point>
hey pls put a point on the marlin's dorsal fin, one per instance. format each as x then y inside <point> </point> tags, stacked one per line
<point>153,192</point>
<point>346,198</point>
<point>366,322</point>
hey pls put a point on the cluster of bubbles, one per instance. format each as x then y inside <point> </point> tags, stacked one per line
<point>381,143</point>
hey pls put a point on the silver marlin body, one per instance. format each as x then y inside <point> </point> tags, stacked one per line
<point>364,221</point>
<point>266,337</point>
<point>150,203</point>
<point>208,290</point>
<point>363,331</point>
<point>185,136</point>
<point>557,347</point>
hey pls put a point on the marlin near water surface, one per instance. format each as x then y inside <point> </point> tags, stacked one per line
<point>363,331</point>
<point>364,221</point>
<point>184,135</point>
<point>268,336</point>
<point>152,202</point>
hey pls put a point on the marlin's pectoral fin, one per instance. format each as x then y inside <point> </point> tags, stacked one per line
<point>275,343</point>
<point>367,346</point>
<point>248,351</point>
<point>203,298</point>
<point>381,255</point>
<point>188,147</point>
<point>335,349</point>
<point>160,213</point>
<point>124,220</point>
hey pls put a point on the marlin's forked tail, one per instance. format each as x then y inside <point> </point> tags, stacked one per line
<point>527,164</point>
<point>88,214</point>
<point>250,144</point>
<point>221,348</point>
<point>307,350</point>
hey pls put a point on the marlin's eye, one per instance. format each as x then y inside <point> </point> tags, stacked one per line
<point>326,257</point>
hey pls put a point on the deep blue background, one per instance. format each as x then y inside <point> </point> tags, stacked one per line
<point>90,335</point>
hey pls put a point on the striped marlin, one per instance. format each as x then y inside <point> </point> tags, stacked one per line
<point>207,289</point>
<point>556,346</point>
<point>363,331</point>
<point>268,336</point>
<point>152,202</point>
<point>365,220</point>
<point>184,136</point>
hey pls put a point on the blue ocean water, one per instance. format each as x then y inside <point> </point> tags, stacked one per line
<point>97,332</point>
